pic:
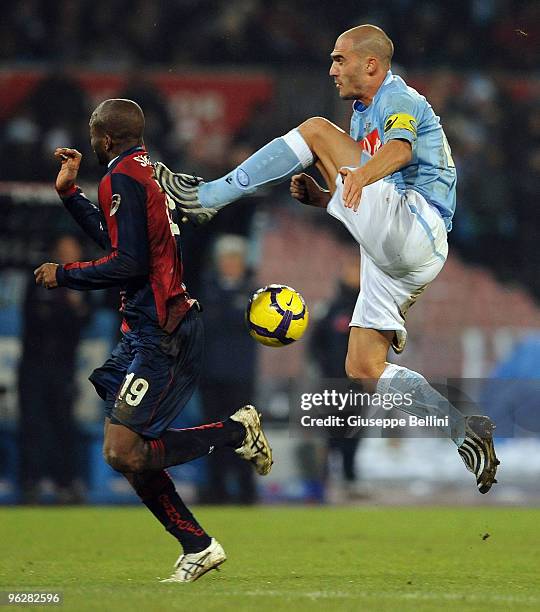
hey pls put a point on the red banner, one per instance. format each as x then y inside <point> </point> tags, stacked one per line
<point>201,103</point>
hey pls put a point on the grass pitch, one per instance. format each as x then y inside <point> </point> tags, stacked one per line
<point>281,559</point>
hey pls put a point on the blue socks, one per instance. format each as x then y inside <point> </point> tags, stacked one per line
<point>427,401</point>
<point>274,163</point>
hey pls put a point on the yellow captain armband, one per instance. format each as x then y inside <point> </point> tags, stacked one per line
<point>400,121</point>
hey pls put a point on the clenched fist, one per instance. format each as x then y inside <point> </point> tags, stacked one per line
<point>46,275</point>
<point>305,189</point>
<point>70,160</point>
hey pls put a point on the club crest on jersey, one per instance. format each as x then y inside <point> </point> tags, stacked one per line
<point>242,177</point>
<point>400,121</point>
<point>115,203</point>
<point>144,160</point>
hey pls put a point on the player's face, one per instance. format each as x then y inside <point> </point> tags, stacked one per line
<point>347,69</point>
<point>98,141</point>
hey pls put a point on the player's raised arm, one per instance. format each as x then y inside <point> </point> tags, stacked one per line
<point>129,256</point>
<point>87,215</point>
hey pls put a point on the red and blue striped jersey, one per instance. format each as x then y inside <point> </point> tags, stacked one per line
<point>136,224</point>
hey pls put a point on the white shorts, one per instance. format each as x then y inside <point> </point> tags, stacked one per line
<point>403,247</point>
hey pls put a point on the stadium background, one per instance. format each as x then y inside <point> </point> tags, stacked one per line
<point>218,80</point>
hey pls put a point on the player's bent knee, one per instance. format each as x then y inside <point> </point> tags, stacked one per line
<point>114,459</point>
<point>361,372</point>
<point>315,128</point>
<point>124,462</point>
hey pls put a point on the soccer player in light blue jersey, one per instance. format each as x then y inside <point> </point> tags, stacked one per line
<point>392,183</point>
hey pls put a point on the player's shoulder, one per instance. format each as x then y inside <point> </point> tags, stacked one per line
<point>397,95</point>
<point>135,170</point>
<point>137,165</point>
<point>395,87</point>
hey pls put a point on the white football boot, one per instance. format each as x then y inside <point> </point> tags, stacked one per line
<point>255,447</point>
<point>192,566</point>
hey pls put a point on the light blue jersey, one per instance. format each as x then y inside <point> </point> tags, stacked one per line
<point>399,111</point>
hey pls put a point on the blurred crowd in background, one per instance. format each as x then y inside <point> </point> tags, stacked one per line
<point>474,60</point>
<point>462,33</point>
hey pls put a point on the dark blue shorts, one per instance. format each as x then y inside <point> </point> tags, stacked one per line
<point>150,376</point>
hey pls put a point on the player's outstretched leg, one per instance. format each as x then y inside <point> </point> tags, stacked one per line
<point>128,452</point>
<point>316,140</point>
<point>185,188</point>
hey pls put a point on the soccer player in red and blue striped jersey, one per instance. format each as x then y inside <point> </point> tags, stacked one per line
<point>152,372</point>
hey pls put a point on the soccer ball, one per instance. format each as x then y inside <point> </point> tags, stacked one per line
<point>276,315</point>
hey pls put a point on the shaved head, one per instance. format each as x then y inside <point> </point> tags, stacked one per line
<point>116,126</point>
<point>371,40</point>
<point>360,61</point>
<point>122,120</point>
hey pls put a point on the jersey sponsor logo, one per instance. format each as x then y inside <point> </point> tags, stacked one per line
<point>144,160</point>
<point>371,143</point>
<point>401,121</point>
<point>115,203</point>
